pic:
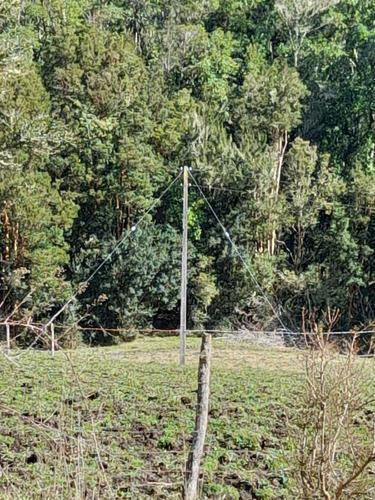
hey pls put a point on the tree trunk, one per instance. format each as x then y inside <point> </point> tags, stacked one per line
<point>282,144</point>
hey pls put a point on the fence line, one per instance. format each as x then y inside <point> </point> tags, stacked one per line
<point>45,333</point>
<point>41,326</point>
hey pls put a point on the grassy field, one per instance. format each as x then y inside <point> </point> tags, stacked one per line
<point>116,422</point>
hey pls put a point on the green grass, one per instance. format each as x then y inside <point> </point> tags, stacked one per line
<point>116,422</point>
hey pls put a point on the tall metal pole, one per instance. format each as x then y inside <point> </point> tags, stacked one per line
<point>184,269</point>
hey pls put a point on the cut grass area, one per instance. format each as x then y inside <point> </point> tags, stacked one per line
<point>229,354</point>
<point>117,422</point>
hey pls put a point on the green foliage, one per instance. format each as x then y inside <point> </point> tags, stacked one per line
<point>272,95</point>
<point>35,212</point>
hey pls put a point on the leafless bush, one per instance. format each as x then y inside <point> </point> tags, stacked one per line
<point>336,427</point>
<point>311,323</point>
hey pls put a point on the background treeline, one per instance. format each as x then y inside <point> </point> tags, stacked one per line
<point>271,103</point>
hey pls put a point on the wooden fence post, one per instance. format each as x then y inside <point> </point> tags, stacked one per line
<point>52,339</point>
<point>199,435</point>
<point>7,326</point>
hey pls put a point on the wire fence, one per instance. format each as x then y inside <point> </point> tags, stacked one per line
<point>50,338</point>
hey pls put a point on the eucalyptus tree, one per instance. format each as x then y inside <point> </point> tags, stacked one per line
<point>35,211</point>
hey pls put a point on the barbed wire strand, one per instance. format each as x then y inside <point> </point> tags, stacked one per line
<point>176,331</point>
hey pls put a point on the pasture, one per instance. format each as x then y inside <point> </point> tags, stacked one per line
<point>116,422</point>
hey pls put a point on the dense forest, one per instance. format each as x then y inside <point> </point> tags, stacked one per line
<point>271,103</point>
